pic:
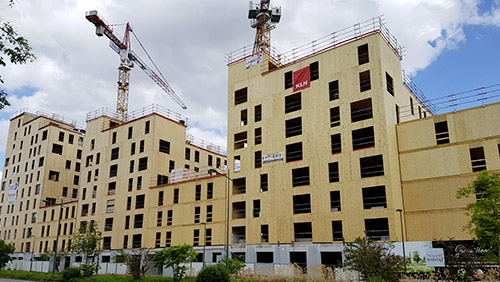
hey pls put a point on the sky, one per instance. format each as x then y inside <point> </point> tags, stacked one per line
<point>450,46</point>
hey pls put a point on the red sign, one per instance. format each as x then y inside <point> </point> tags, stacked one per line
<point>301,79</point>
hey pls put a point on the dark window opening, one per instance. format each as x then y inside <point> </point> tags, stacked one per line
<point>256,208</point>
<point>170,217</point>
<point>335,201</point>
<point>239,210</point>
<point>314,70</point>
<point>300,176</point>
<point>197,156</point>
<point>240,140</point>
<point>412,109</point>
<point>176,196</point>
<point>136,240</point>
<point>115,153</point>
<point>336,143</point>
<point>171,165</point>
<point>478,161</point>
<point>197,213</point>
<point>363,138</point>
<point>294,152</point>
<point>57,149</point>
<point>293,103</point>
<point>161,179</point>
<point>113,170</point>
<point>196,237</point>
<point>364,81</point>
<point>374,198</point>
<point>258,159</point>
<point>146,127</point>
<point>334,117</point>
<point>331,259</point>
<point>264,236</point>
<point>164,146</point>
<point>301,204</point>
<point>377,229</point>
<point>139,201</point>
<point>111,188</point>
<point>293,127</point>
<point>390,84</point>
<point>244,117</point>
<point>54,175</point>
<point>288,79</point>
<point>372,166</point>
<point>209,213</point>
<point>303,232</point>
<point>210,190</point>
<point>333,89</point>
<point>337,230</point>
<point>238,235</point>
<point>258,113</point>
<point>361,110</point>
<point>258,136</point>
<point>143,163</point>
<point>442,136</point>
<point>138,220</point>
<point>108,225</point>
<point>239,185</point>
<point>106,243</point>
<point>263,183</point>
<point>187,154</point>
<point>398,118</point>
<point>197,194</point>
<point>130,130</point>
<point>265,257</point>
<point>363,55</point>
<point>240,96</point>
<point>333,172</point>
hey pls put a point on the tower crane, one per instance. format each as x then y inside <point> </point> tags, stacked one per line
<point>127,60</point>
<point>263,18</point>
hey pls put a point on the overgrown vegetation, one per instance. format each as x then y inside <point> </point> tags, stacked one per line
<point>373,261</point>
<point>484,224</point>
<point>174,257</point>
<point>213,273</point>
<point>6,251</point>
<point>138,262</point>
<point>235,264</point>
<point>87,242</point>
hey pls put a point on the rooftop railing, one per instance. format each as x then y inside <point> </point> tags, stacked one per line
<point>42,113</point>
<point>151,109</point>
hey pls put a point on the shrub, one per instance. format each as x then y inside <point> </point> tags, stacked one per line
<point>72,272</point>
<point>235,264</point>
<point>213,273</point>
<point>88,269</point>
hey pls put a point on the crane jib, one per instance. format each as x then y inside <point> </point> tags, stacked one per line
<point>114,47</point>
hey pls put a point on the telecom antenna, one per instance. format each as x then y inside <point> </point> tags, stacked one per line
<point>127,60</point>
<point>263,18</point>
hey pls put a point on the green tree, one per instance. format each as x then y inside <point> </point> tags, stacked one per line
<point>138,262</point>
<point>14,48</point>
<point>235,264</point>
<point>87,242</point>
<point>6,251</point>
<point>175,257</point>
<point>374,261</point>
<point>484,223</point>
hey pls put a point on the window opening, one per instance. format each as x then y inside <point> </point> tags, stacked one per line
<point>363,55</point>
<point>240,96</point>
<point>301,204</point>
<point>336,143</point>
<point>239,185</point>
<point>372,166</point>
<point>239,210</point>
<point>442,135</point>
<point>364,81</point>
<point>335,201</point>
<point>293,127</point>
<point>374,198</point>
<point>363,138</point>
<point>302,231</point>
<point>293,103</point>
<point>361,110</point>
<point>377,229</point>
<point>300,176</point>
<point>478,161</point>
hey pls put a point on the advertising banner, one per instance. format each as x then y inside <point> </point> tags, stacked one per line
<point>12,194</point>
<point>273,157</point>
<point>301,79</point>
<point>253,60</point>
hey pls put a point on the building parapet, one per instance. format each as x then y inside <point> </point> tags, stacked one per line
<point>330,41</point>
<point>147,110</point>
<point>190,139</point>
<point>42,113</point>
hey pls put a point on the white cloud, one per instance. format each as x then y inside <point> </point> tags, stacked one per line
<point>76,71</point>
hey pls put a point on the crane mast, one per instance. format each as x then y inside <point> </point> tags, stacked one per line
<point>127,60</point>
<point>263,18</point>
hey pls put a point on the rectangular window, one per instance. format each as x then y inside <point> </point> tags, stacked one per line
<point>301,204</point>
<point>314,70</point>
<point>132,149</point>
<point>239,235</point>
<point>256,208</point>
<point>288,79</point>
<point>77,167</point>
<point>264,233</point>
<point>412,109</point>
<point>239,185</point>
<point>106,243</point>
<point>176,196</point>
<point>129,203</point>
<point>263,183</point>
<point>146,127</point>
<point>136,241</point>
<point>187,154</point>
<point>197,194</point>
<point>258,136</point>
<point>57,149</point>
<point>335,201</point>
<point>293,127</point>
<point>68,164</point>
<point>141,146</point>
<point>258,113</point>
<point>113,170</point>
<point>333,172</point>
<point>371,166</point>
<point>240,96</point>
<point>197,211</point>
<point>131,166</point>
<point>377,229</point>
<point>293,103</point>
<point>240,140</point>
<point>361,110</point>
<point>161,179</point>
<point>398,119</point>
<point>208,237</point>
<point>390,84</point>
<point>160,198</point>
<point>127,222</point>
<point>210,160</point>
<point>71,138</point>
<point>61,136</point>
<point>336,143</point>
<point>168,240</point>
<point>138,220</point>
<point>115,153</point>
<point>364,81</point>
<point>363,55</point>
<point>258,159</point>
<point>164,146</point>
<point>143,163</point>
<point>53,175</point>
<point>333,89</point>
<point>363,138</point>
<point>130,184</point>
<point>302,231</point>
<point>130,130</point>
<point>209,213</point>
<point>334,117</point>
<point>210,190</point>
<point>159,218</point>
<point>108,225</point>
<point>170,217</point>
<point>158,240</point>
<point>171,165</point>
<point>111,188</point>
<point>113,138</point>
<point>300,176</point>
<point>244,117</point>
<point>478,161</point>
<point>374,198</point>
<point>196,237</point>
<point>442,135</point>
<point>139,201</point>
<point>294,152</point>
<point>337,231</point>
<point>239,210</point>
<point>110,207</point>
<point>197,156</point>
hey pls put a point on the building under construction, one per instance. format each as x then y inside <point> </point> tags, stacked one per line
<point>326,143</point>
